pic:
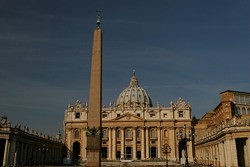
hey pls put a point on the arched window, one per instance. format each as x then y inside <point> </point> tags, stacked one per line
<point>118,133</point>
<point>243,111</point>
<point>165,133</point>
<point>138,133</point>
<point>248,111</point>
<point>104,133</point>
<point>237,112</point>
<point>128,133</point>
<point>76,134</point>
<point>153,133</point>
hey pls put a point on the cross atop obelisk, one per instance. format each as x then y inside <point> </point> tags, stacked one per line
<point>95,100</point>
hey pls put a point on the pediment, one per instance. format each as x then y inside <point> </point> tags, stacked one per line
<point>128,117</point>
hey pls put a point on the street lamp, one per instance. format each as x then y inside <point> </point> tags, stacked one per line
<point>166,149</point>
<point>183,139</point>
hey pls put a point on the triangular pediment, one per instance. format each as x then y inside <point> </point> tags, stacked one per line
<point>128,117</point>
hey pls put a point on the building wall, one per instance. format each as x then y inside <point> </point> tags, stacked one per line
<point>132,132</point>
<point>22,146</point>
<point>223,135</point>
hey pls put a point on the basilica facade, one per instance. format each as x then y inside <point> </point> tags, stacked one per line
<point>133,129</point>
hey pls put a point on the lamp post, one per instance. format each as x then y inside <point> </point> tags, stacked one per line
<point>166,149</point>
<point>184,138</point>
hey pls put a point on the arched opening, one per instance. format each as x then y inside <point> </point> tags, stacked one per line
<point>76,151</point>
<point>182,149</point>
<point>153,152</point>
<point>104,152</point>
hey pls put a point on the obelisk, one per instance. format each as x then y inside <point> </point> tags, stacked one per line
<point>95,101</point>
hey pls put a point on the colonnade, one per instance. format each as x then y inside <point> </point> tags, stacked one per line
<point>142,143</point>
<point>226,152</point>
<point>28,152</point>
<point>139,142</point>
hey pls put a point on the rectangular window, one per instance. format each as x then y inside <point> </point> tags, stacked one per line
<point>77,115</point>
<point>237,99</point>
<point>165,115</point>
<point>118,115</point>
<point>138,115</point>
<point>152,115</point>
<point>247,99</point>
<point>104,115</point>
<point>242,100</point>
<point>180,113</point>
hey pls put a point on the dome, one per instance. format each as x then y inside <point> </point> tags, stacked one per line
<point>133,96</point>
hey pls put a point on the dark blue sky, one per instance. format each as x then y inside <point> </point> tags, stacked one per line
<point>184,48</point>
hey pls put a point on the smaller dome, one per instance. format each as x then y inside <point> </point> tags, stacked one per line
<point>133,96</point>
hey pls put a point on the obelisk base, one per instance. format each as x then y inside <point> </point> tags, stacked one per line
<point>93,151</point>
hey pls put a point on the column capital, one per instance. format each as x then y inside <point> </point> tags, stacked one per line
<point>160,127</point>
<point>141,127</point>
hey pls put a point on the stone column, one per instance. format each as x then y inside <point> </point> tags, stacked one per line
<point>134,144</point>
<point>172,143</point>
<point>84,144</point>
<point>110,143</point>
<point>6,153</point>
<point>122,143</point>
<point>25,153</point>
<point>247,152</point>
<point>228,154</point>
<point>234,152</point>
<point>12,152</point>
<point>16,153</point>
<point>219,154</point>
<point>159,142</point>
<point>142,143</point>
<point>21,153</point>
<point>147,142</point>
<point>114,144</point>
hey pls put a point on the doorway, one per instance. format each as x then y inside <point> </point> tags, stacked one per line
<point>128,154</point>
<point>241,151</point>
<point>76,150</point>
<point>104,152</point>
<point>153,152</point>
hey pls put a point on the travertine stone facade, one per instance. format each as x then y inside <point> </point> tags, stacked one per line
<point>21,146</point>
<point>132,128</point>
<point>223,135</point>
